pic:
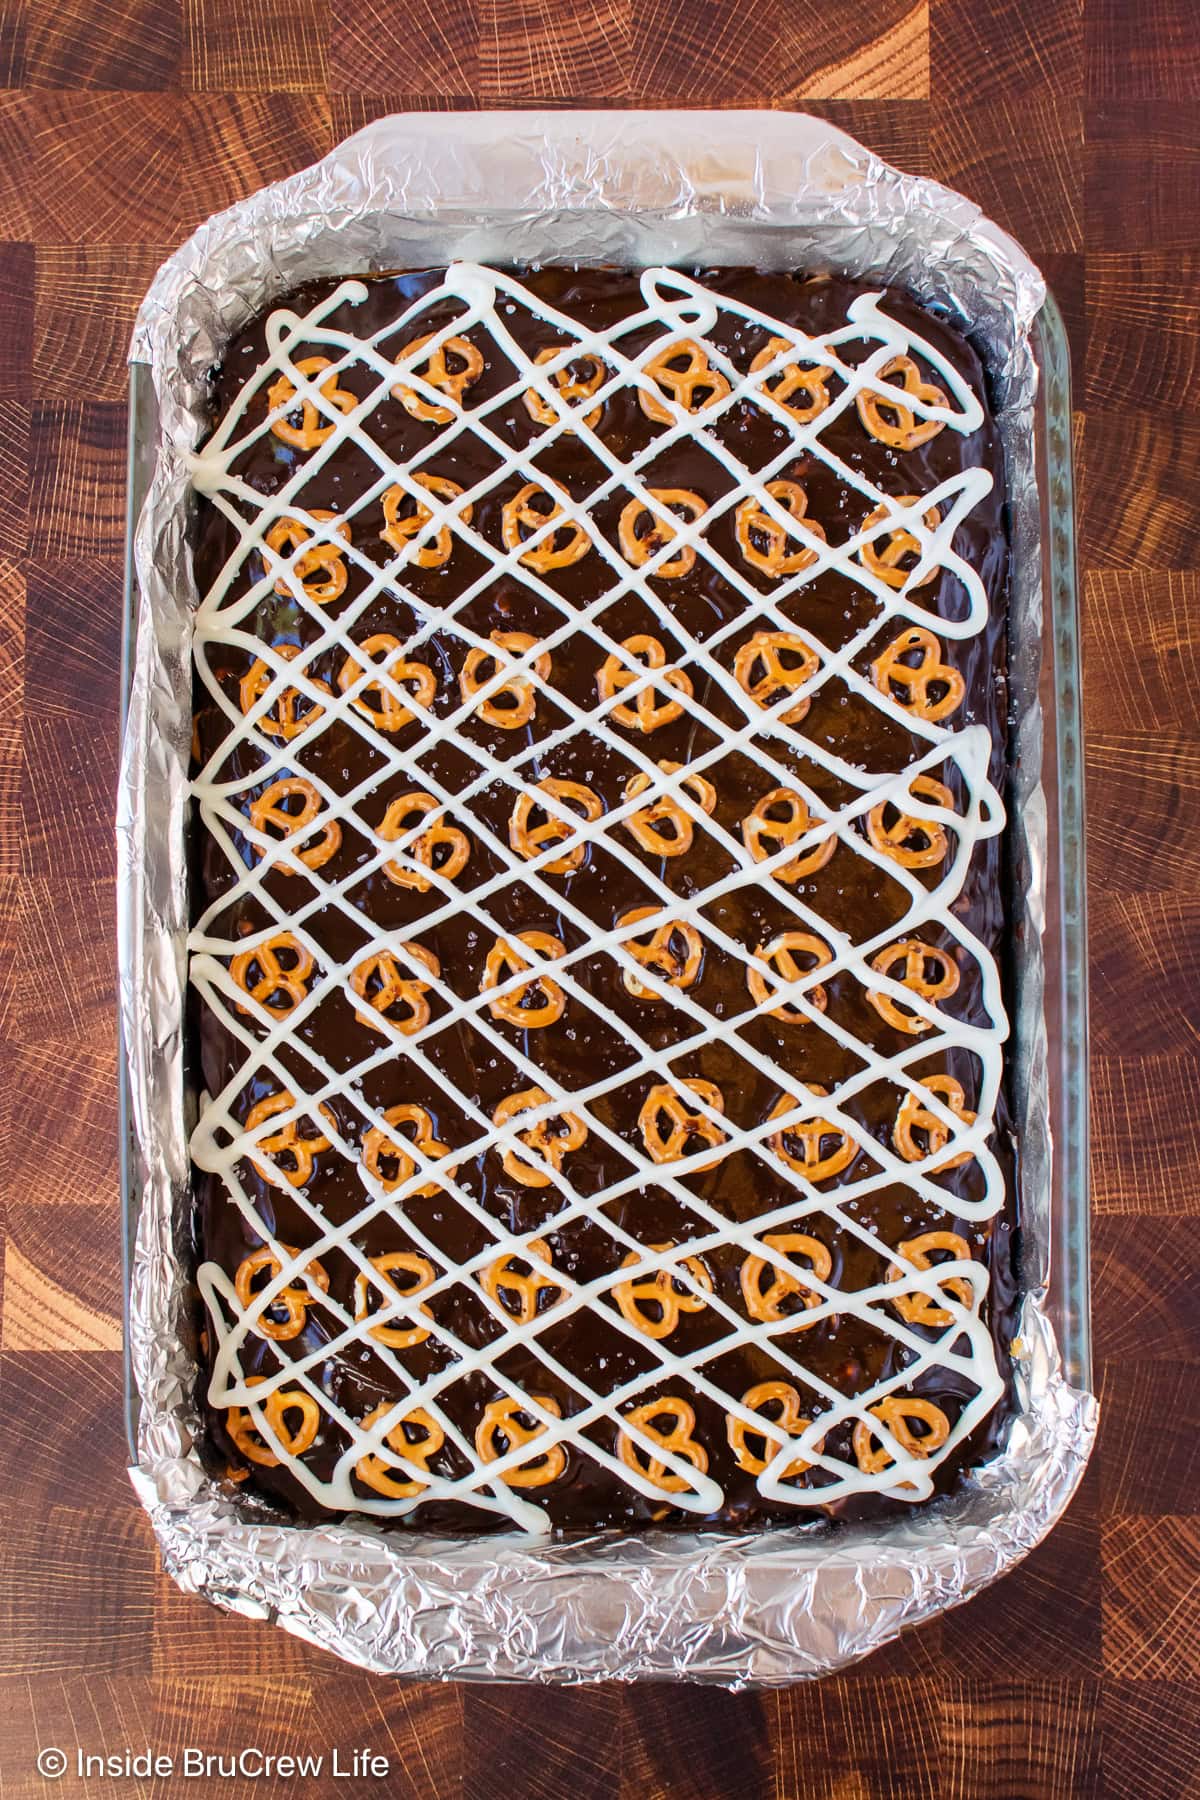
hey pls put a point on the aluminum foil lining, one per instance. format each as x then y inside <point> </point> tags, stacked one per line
<point>628,188</point>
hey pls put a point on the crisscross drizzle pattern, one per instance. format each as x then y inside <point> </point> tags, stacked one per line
<point>390,696</point>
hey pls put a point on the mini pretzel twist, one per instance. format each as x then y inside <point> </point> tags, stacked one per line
<point>528,840</point>
<point>914,843</point>
<point>653,1303</point>
<point>413,1451</point>
<point>293,1301</point>
<point>400,528</point>
<point>793,378</point>
<point>310,432</point>
<point>895,1412</point>
<point>917,682</point>
<point>915,958</point>
<point>441,847</point>
<point>515,703</point>
<point>782,817</point>
<point>763,541</point>
<point>769,1303</point>
<point>677,1438</point>
<point>420,1273</point>
<point>915,1116</point>
<point>810,1158</point>
<point>549,1144</point>
<point>762,673</point>
<point>683,371</point>
<point>326,560</point>
<point>923,1309</point>
<point>518,1292</point>
<point>784,1422</point>
<point>643,530</point>
<point>287,1141</point>
<point>293,712</point>
<point>390,714</point>
<point>536,1003</point>
<point>438,374</point>
<point>647,711</point>
<point>664,828</point>
<point>275,1407</point>
<point>271,808</point>
<point>383,983</point>
<point>889,565</point>
<point>684,1123</point>
<point>568,542</point>
<point>890,421</point>
<point>502,1429</point>
<point>781,958</point>
<point>279,986</point>
<point>674,950</point>
<point>572,387</point>
<point>382,1149</point>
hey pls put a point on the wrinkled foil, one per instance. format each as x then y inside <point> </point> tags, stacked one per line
<point>735,1609</point>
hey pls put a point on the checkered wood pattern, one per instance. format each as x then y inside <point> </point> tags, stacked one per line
<point>121,125</point>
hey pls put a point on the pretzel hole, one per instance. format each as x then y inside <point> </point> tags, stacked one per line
<point>653,532</point>
<point>680,363</point>
<point>538,508</point>
<point>919,836</point>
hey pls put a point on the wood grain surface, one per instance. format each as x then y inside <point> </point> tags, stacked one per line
<point>122,124</point>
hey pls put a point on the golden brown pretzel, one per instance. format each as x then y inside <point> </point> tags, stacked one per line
<point>767,1303</point>
<point>568,542</point>
<point>664,828</point>
<point>240,1424</point>
<point>916,681</point>
<point>279,986</point>
<point>923,1309</point>
<point>696,376</point>
<point>391,714</point>
<point>285,719</point>
<point>915,1116</point>
<point>524,1289</point>
<point>438,374</point>
<point>383,982</point>
<point>440,839</point>
<point>912,842</point>
<point>793,378</point>
<point>381,1148</point>
<point>310,432</point>
<point>501,1430</point>
<point>763,541</point>
<point>761,672</point>
<point>550,1146</point>
<point>293,1300</point>
<point>776,1429</point>
<point>780,818</point>
<point>895,1412</point>
<point>538,1001</point>
<point>890,421</point>
<point>270,808</point>
<point>780,956</point>
<point>675,951</point>
<point>644,530</point>
<point>811,1159</point>
<point>571,385</point>
<point>421,1274</point>
<point>327,559</point>
<point>287,1141</point>
<point>647,711</point>
<point>415,1451</point>
<point>518,694</point>
<point>916,958</point>
<point>677,1438</point>
<point>529,840</point>
<point>887,564</point>
<point>401,528</point>
<point>653,1303</point>
<point>683,1123</point>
